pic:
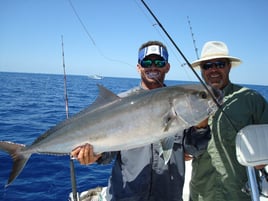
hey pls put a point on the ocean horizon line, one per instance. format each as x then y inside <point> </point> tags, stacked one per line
<point>134,78</point>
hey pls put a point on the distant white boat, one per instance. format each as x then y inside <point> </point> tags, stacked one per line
<point>95,77</point>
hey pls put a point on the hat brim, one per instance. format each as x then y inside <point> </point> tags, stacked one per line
<point>234,60</point>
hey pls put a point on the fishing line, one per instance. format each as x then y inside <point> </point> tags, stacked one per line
<point>92,40</point>
<point>188,63</point>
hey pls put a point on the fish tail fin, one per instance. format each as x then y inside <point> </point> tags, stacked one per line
<point>19,158</point>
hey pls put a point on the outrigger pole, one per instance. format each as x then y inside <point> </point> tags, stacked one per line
<point>72,170</point>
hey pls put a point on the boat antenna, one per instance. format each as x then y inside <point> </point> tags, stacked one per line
<point>178,49</point>
<point>72,169</point>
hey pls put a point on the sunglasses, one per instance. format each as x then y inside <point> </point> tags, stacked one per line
<point>157,62</point>
<point>217,64</point>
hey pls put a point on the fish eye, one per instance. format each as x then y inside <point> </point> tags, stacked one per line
<point>203,94</point>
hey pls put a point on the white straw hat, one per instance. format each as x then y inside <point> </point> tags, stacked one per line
<point>215,50</point>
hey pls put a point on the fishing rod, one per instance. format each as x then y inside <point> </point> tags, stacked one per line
<point>65,85</point>
<point>72,170</point>
<point>192,34</point>
<point>178,49</point>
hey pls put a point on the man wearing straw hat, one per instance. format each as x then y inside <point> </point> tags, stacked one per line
<point>216,174</point>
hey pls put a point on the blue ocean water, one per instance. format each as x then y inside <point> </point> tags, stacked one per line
<point>32,103</point>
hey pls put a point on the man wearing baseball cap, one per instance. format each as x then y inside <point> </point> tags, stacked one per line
<point>141,174</point>
<point>216,174</point>
<point>152,64</point>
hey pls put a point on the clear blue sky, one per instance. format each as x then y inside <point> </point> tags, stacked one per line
<point>30,35</point>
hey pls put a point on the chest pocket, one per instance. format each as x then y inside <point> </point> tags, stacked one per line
<point>236,115</point>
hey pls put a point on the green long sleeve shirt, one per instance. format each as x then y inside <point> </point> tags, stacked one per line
<point>217,175</point>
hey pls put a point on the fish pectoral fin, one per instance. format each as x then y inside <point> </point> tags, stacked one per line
<point>166,148</point>
<point>168,119</point>
<point>19,159</point>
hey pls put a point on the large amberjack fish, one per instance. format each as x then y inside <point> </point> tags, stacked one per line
<point>112,123</point>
